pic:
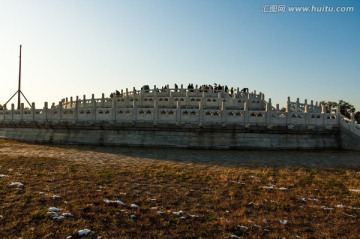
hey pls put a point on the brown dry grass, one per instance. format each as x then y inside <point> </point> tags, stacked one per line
<point>216,201</point>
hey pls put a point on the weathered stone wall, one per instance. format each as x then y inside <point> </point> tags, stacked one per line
<point>254,137</point>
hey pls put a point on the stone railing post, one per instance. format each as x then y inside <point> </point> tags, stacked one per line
<point>134,112</point>
<point>84,101</point>
<point>102,100</point>
<point>45,112</point>
<point>66,102</point>
<point>76,110</point>
<point>268,113</point>
<point>60,111</point>
<point>113,108</point>
<point>297,105</point>
<point>287,110</point>
<point>201,114</point>
<point>306,113</point>
<point>155,92</point>
<point>223,114</point>
<point>12,111</point>
<point>246,114</point>
<point>33,111</point>
<point>323,114</point>
<point>93,111</point>
<point>352,126</point>
<point>178,113</point>
<point>156,112</point>
<point>71,102</point>
<point>22,111</point>
<point>126,98</point>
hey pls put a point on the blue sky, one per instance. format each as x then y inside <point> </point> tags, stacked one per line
<point>89,47</point>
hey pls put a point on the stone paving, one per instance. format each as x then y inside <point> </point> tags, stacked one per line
<point>325,159</point>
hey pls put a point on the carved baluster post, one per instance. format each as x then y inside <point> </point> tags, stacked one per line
<point>223,114</point>
<point>352,123</point>
<point>287,111</point>
<point>269,113</point>
<point>127,98</point>
<point>33,111</point>
<point>134,113</point>
<point>178,113</point>
<point>4,112</point>
<point>76,110</point>
<point>71,102</point>
<point>22,111</point>
<point>60,111</point>
<point>93,111</point>
<point>156,112</point>
<point>306,113</point>
<point>201,114</point>
<point>84,101</point>
<point>323,114</point>
<point>45,112</point>
<point>102,100</point>
<point>113,108</point>
<point>12,111</point>
<point>297,105</point>
<point>246,114</point>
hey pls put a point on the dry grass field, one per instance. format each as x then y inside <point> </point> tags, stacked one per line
<point>93,192</point>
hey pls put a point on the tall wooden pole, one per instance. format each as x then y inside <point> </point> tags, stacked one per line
<point>19,89</point>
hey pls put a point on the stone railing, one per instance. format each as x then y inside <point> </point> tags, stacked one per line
<point>350,124</point>
<point>205,114</point>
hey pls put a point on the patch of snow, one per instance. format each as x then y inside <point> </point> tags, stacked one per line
<point>314,199</point>
<point>355,190</point>
<point>234,236</point>
<point>114,201</point>
<point>132,216</point>
<point>4,176</point>
<point>340,206</point>
<point>266,230</point>
<point>84,232</point>
<point>243,227</point>
<point>328,208</point>
<point>55,196</point>
<point>258,226</point>
<point>178,213</point>
<point>349,215</point>
<point>54,209</point>
<point>268,187</point>
<point>160,212</point>
<point>16,184</point>
<point>134,206</point>
<point>153,208</point>
<point>284,222</point>
<point>283,189</point>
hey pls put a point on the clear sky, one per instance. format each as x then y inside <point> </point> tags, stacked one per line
<point>77,47</point>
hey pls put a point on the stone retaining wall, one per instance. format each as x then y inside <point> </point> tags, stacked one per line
<point>188,136</point>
